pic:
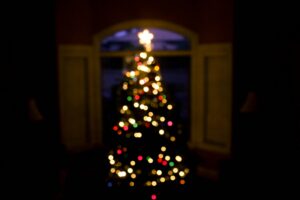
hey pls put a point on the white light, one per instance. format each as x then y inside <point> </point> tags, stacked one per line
<point>175,170</point>
<point>161,132</point>
<point>154,183</point>
<point>145,38</point>
<point>144,68</point>
<point>121,124</point>
<point>178,158</point>
<point>129,170</point>
<point>162,119</point>
<point>155,92</point>
<point>125,107</point>
<point>110,157</point>
<point>146,89</point>
<point>142,82</point>
<point>167,158</point>
<point>138,135</point>
<point>136,104</point>
<point>159,172</point>
<point>157,78</point>
<point>112,162</point>
<point>122,174</point>
<point>150,160</point>
<point>170,107</point>
<point>181,173</point>
<point>172,178</point>
<point>154,123</point>
<point>162,179</point>
<point>143,55</point>
<point>131,121</point>
<point>155,86</point>
<point>163,148</point>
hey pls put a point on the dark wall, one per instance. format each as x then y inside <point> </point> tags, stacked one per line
<point>78,20</point>
<point>266,141</point>
<point>30,147</point>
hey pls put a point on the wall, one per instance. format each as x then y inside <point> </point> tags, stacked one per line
<point>78,20</point>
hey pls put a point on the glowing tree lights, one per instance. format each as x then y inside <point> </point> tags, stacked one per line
<point>147,151</point>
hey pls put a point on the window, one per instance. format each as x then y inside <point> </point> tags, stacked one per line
<point>171,50</point>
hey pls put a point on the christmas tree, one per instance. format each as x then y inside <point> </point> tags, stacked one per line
<point>147,148</point>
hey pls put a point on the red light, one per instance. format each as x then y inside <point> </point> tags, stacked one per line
<point>115,128</point>
<point>119,151</point>
<point>153,197</point>
<point>140,158</point>
<point>164,163</point>
<point>160,97</point>
<point>136,97</point>
<point>170,123</point>
<point>159,160</point>
<point>125,128</point>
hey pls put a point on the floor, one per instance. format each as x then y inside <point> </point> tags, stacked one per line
<point>84,179</point>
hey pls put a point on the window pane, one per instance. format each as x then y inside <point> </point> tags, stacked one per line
<point>127,40</point>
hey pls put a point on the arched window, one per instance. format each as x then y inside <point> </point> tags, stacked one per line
<point>172,47</point>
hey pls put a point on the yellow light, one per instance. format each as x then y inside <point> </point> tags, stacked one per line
<point>146,89</point>
<point>143,55</point>
<point>162,119</point>
<point>160,155</point>
<point>154,123</point>
<point>181,173</point>
<point>159,172</point>
<point>129,170</point>
<point>167,158</point>
<point>172,138</point>
<point>156,68</point>
<point>178,158</point>
<point>155,92</point>
<point>145,107</point>
<point>175,169</point>
<point>121,174</point>
<point>138,135</point>
<point>112,170</point>
<point>125,86</point>
<point>136,104</point>
<point>154,183</point>
<point>150,114</point>
<point>161,132</point>
<point>128,74</point>
<point>160,89</point>
<point>170,172</point>
<point>133,176</point>
<point>162,179</point>
<point>186,170</point>
<point>153,171</point>
<point>157,78</point>
<point>148,183</point>
<point>164,101</point>
<point>172,178</point>
<point>131,184</point>
<point>132,163</point>
<point>163,148</point>
<point>170,107</point>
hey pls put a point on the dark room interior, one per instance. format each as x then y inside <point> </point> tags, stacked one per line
<point>56,119</point>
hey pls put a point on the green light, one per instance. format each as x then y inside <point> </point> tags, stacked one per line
<point>148,157</point>
<point>129,98</point>
<point>135,125</point>
<point>171,164</point>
